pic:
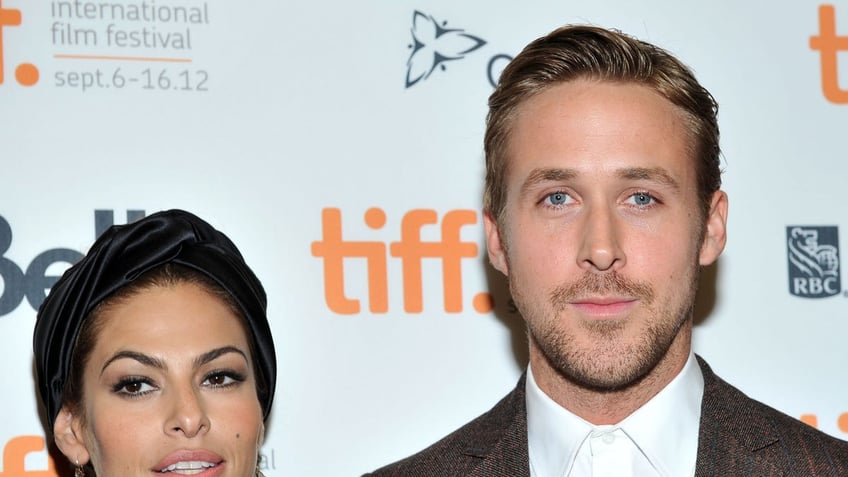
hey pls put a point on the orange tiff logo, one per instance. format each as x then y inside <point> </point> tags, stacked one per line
<point>411,250</point>
<point>14,455</point>
<point>813,420</point>
<point>25,73</point>
<point>830,44</point>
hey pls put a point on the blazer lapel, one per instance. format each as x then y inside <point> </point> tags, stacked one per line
<point>734,439</point>
<point>502,443</point>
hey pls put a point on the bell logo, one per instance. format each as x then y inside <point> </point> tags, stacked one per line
<point>33,281</point>
<point>25,73</point>
<point>830,44</point>
<point>15,453</point>
<point>411,251</point>
<point>813,254</point>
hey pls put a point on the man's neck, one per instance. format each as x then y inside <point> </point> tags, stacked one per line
<point>610,407</point>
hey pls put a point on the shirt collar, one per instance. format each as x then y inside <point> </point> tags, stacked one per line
<point>665,428</point>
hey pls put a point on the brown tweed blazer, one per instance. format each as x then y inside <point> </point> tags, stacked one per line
<point>738,437</point>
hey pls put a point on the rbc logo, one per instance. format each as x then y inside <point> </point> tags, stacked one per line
<point>813,254</point>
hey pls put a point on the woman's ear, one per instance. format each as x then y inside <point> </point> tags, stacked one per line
<point>67,432</point>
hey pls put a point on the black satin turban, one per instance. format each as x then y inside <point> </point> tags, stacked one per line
<point>121,255</point>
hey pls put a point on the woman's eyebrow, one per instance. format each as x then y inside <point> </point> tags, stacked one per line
<point>135,355</point>
<point>215,353</point>
<point>157,363</point>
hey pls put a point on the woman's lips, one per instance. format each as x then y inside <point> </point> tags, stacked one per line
<point>198,462</point>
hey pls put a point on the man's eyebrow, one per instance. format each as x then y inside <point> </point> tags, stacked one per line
<point>653,174</point>
<point>134,355</point>
<point>552,174</point>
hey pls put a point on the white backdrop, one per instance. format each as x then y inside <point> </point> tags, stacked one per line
<point>263,116</point>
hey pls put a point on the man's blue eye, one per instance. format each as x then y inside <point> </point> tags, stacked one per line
<point>558,198</point>
<point>641,198</point>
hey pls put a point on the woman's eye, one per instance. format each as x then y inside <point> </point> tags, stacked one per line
<point>223,379</point>
<point>133,387</point>
<point>557,198</point>
<point>218,379</point>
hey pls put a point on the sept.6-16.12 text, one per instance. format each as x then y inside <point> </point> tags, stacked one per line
<point>150,79</point>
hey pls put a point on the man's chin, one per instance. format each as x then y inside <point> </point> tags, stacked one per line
<point>605,379</point>
<point>605,369</point>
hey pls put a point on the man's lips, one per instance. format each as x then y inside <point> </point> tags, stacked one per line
<point>604,306</point>
<point>190,462</point>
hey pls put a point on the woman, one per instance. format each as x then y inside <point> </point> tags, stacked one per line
<point>153,354</point>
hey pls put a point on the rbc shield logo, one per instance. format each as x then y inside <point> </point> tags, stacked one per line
<point>813,254</point>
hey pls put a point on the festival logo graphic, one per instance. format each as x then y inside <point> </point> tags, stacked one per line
<point>336,250</point>
<point>26,74</point>
<point>813,254</point>
<point>831,47</point>
<point>433,45</point>
<point>120,46</point>
<point>16,453</point>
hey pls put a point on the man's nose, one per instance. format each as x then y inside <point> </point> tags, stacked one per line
<point>600,247</point>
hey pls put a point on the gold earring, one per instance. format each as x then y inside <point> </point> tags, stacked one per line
<point>79,471</point>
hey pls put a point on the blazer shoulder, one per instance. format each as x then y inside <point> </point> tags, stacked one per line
<point>461,451</point>
<point>734,424</point>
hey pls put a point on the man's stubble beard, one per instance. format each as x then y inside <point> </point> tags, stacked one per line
<point>610,365</point>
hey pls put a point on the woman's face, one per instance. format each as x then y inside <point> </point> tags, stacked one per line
<point>169,389</point>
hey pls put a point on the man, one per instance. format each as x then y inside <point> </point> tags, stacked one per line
<point>602,202</point>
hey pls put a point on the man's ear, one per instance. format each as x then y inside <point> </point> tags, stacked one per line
<point>495,245</point>
<point>67,432</point>
<point>715,229</point>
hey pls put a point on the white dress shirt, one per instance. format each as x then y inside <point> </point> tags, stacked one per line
<point>658,439</point>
